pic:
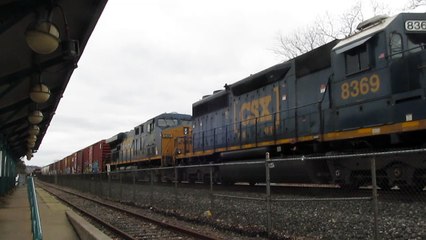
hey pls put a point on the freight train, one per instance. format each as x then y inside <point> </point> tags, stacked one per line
<point>91,159</point>
<point>362,93</point>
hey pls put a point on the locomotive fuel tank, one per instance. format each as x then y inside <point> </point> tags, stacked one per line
<point>297,170</point>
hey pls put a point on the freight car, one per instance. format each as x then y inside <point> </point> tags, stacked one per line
<point>363,93</point>
<point>91,159</point>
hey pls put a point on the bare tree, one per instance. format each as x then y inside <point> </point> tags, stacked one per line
<point>324,30</point>
<point>412,4</point>
<point>350,19</point>
<point>301,41</point>
<point>379,8</point>
<point>329,27</point>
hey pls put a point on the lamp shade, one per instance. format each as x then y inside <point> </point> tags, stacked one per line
<point>42,37</point>
<point>32,138</point>
<point>40,93</point>
<point>35,117</point>
<point>34,130</point>
<point>30,144</point>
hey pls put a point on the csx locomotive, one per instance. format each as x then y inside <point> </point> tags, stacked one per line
<point>362,93</point>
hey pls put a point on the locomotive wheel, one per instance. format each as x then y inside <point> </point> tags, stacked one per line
<point>384,185</point>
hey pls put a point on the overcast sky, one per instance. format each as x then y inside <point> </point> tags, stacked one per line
<point>148,57</point>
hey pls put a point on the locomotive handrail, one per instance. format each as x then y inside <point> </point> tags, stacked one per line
<point>203,134</point>
<point>275,160</point>
<point>421,46</point>
<point>334,156</point>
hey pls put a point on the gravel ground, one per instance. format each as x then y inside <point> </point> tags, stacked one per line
<point>151,232</point>
<point>397,219</point>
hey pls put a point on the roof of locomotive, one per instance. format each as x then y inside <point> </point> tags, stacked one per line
<point>174,115</point>
<point>365,33</point>
<point>208,98</point>
<point>120,136</point>
<point>254,79</point>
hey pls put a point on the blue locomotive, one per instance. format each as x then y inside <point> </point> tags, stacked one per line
<point>362,93</point>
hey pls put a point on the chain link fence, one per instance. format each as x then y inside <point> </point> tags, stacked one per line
<point>385,202</point>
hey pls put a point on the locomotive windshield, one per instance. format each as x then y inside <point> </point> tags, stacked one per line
<point>164,122</point>
<point>415,39</point>
<point>167,122</point>
<point>416,34</point>
<point>416,42</point>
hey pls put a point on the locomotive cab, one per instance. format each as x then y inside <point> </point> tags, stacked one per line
<point>143,144</point>
<point>378,93</point>
<point>379,76</point>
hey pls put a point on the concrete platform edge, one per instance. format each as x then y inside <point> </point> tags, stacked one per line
<point>84,229</point>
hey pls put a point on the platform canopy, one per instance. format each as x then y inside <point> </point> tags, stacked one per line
<point>41,42</point>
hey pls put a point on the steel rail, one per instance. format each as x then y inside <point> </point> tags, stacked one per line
<point>102,222</point>
<point>173,227</point>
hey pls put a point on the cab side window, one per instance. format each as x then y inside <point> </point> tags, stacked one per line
<point>148,127</point>
<point>356,59</point>
<point>395,45</point>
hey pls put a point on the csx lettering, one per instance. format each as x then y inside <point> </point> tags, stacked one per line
<point>250,111</point>
<point>363,86</point>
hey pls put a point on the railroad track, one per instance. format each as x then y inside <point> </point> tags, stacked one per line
<point>124,222</point>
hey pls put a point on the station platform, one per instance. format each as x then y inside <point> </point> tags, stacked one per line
<point>15,216</point>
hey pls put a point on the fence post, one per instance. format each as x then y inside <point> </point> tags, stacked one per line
<point>121,186</point>
<point>134,187</point>
<point>100,185</point>
<point>211,187</point>
<point>375,206</point>
<point>151,197</point>
<point>268,194</point>
<point>75,181</point>
<point>109,185</point>
<point>90,183</point>
<point>176,186</point>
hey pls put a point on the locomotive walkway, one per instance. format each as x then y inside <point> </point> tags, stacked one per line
<point>15,217</point>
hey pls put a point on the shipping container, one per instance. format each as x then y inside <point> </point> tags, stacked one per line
<point>85,161</point>
<point>98,154</point>
<point>73,163</point>
<point>79,165</point>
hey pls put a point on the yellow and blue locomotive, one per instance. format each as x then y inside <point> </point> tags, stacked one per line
<point>365,92</point>
<point>142,146</point>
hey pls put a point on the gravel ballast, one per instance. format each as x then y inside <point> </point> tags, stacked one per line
<point>397,218</point>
